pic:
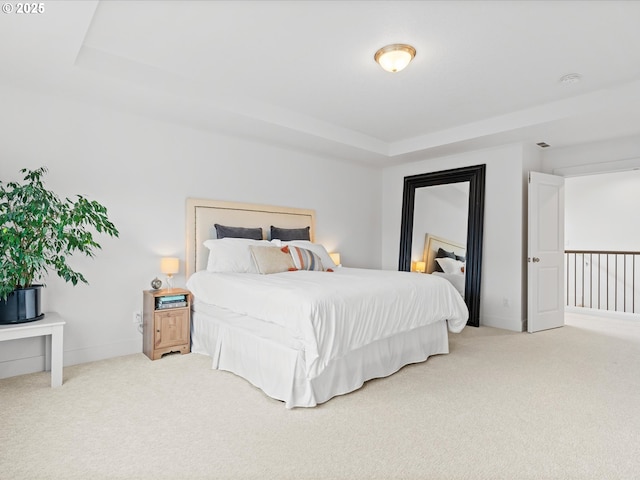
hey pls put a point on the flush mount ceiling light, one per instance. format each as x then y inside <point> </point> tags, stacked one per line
<point>394,58</point>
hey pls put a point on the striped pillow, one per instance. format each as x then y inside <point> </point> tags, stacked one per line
<point>304,259</point>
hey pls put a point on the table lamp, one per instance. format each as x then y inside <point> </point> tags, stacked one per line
<point>169,266</point>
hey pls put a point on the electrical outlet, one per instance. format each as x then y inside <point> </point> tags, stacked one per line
<point>505,302</point>
<point>137,318</point>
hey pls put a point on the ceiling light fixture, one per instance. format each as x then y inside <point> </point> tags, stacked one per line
<point>394,58</point>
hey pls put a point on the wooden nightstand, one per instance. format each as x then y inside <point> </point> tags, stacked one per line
<point>166,322</point>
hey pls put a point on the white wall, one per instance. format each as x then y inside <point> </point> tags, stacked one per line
<point>584,166</point>
<point>143,170</point>
<point>502,266</point>
<point>601,192</point>
<point>601,211</point>
<point>617,154</point>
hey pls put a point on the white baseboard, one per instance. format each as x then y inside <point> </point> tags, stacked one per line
<point>603,313</point>
<point>102,352</point>
<point>513,324</point>
<point>23,366</point>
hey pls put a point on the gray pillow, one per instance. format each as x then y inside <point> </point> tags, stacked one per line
<point>442,253</point>
<point>288,234</point>
<point>223,231</point>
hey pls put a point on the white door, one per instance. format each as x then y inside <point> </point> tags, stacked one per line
<point>545,252</point>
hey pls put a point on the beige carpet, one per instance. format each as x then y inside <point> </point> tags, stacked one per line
<point>561,404</point>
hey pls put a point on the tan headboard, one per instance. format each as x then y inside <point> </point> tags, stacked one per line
<point>431,246</point>
<point>203,214</point>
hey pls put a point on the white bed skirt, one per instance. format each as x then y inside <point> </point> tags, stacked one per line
<point>269,358</point>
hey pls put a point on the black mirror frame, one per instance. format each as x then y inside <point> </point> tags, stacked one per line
<point>475,175</point>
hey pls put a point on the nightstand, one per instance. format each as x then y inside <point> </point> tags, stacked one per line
<point>166,322</point>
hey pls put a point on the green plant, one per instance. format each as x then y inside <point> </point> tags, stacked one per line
<point>39,231</point>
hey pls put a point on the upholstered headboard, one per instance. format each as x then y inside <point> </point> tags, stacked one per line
<point>203,214</point>
<point>431,245</point>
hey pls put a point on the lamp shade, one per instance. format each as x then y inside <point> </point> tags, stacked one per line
<point>396,57</point>
<point>421,267</point>
<point>335,256</point>
<point>170,265</point>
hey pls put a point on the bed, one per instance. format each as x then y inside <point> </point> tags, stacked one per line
<point>304,336</point>
<point>454,258</point>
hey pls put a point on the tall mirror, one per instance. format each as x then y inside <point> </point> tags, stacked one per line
<point>434,217</point>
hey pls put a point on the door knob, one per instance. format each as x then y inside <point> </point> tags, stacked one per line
<point>536,259</point>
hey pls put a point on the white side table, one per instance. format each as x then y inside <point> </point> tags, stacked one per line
<point>51,326</point>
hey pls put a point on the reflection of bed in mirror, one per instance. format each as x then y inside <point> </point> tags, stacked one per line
<point>455,275</point>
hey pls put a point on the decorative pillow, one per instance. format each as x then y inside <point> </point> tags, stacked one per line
<point>287,234</point>
<point>451,265</point>
<point>304,259</point>
<point>231,255</point>
<point>316,248</point>
<point>271,259</point>
<point>460,258</point>
<point>223,231</point>
<point>442,253</point>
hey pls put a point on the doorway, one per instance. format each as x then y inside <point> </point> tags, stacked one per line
<point>601,238</point>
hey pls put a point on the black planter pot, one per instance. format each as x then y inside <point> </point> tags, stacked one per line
<point>22,305</point>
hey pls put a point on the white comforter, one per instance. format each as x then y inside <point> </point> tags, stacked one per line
<point>456,279</point>
<point>333,313</point>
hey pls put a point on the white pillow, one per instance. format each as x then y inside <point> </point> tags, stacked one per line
<point>316,248</point>
<point>231,255</point>
<point>451,265</point>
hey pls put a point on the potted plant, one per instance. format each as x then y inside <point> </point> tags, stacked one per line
<point>38,233</point>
